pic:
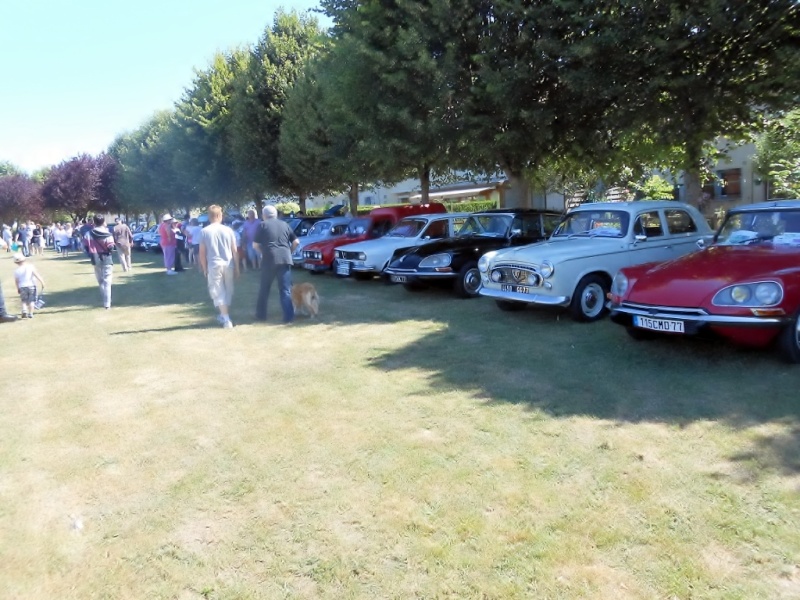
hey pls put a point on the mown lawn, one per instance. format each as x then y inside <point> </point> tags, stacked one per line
<point>401,446</point>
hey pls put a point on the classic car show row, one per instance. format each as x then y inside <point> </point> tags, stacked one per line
<point>656,267</point>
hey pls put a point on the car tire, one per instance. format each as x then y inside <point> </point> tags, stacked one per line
<point>640,335</point>
<point>315,272</point>
<point>363,276</point>
<point>469,281</point>
<point>589,300</point>
<point>510,305</point>
<point>789,341</point>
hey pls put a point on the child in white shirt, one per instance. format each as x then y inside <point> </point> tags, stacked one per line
<point>25,276</point>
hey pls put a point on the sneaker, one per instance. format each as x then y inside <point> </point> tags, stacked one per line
<point>227,324</point>
<point>24,315</point>
<point>171,273</point>
<point>6,318</point>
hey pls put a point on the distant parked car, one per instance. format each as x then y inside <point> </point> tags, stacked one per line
<point>576,266</point>
<point>455,259</point>
<point>301,225</point>
<point>318,256</point>
<point>138,238</point>
<point>321,230</point>
<point>744,288</point>
<point>364,260</point>
<point>152,241</point>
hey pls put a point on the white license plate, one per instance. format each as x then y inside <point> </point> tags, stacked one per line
<point>519,289</point>
<point>308,266</point>
<point>665,325</point>
<point>343,268</point>
<point>399,278</point>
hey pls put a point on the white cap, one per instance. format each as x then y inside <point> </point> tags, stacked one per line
<point>166,217</point>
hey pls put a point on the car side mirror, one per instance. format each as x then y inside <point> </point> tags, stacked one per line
<point>701,243</point>
<point>516,233</point>
<point>640,237</point>
<point>304,231</point>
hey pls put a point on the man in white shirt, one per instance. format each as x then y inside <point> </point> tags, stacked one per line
<point>218,262</point>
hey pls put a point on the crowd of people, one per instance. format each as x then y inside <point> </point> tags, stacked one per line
<point>266,244</point>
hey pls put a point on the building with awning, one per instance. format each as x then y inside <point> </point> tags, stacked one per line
<point>472,191</point>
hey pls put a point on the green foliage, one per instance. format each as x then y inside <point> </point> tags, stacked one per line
<point>203,124</point>
<point>786,178</point>
<point>259,97</point>
<point>287,208</point>
<point>7,168</point>
<point>778,155</point>
<point>654,187</point>
<point>470,205</point>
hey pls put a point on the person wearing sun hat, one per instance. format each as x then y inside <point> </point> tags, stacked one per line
<point>168,243</point>
<point>25,276</point>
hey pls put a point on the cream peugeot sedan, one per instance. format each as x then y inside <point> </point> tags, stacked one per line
<point>574,268</point>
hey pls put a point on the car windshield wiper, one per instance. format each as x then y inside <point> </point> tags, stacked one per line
<point>587,232</point>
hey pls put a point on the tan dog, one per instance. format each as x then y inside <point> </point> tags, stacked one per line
<point>305,299</point>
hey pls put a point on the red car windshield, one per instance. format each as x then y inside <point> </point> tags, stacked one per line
<point>776,227</point>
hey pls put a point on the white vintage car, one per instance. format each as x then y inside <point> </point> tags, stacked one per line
<point>576,265</point>
<point>366,259</point>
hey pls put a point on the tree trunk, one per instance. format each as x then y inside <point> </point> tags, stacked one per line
<point>694,189</point>
<point>518,194</point>
<point>424,184</point>
<point>302,197</point>
<point>259,202</point>
<point>353,194</point>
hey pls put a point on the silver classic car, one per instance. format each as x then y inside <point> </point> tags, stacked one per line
<point>576,266</point>
<point>365,259</point>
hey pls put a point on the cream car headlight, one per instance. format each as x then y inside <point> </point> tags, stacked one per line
<point>768,293</point>
<point>740,294</point>
<point>483,262</point>
<point>435,261</point>
<point>547,269</point>
<point>362,256</point>
<point>764,293</point>
<point>619,286</point>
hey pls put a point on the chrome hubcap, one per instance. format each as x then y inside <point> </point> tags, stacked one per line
<point>797,332</point>
<point>472,281</point>
<point>592,300</point>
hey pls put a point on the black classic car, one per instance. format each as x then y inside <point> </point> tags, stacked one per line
<point>455,259</point>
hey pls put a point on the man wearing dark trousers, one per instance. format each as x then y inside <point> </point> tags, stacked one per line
<point>276,241</point>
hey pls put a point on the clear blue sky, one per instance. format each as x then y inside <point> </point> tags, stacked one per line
<point>77,74</point>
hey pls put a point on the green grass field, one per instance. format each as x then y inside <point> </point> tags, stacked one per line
<point>401,446</point>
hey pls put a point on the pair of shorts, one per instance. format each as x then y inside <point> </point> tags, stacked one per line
<point>27,295</point>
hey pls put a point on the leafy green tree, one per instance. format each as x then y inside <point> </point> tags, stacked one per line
<point>685,73</point>
<point>778,155</point>
<point>7,168</point>
<point>654,187</point>
<point>325,140</point>
<point>403,81</point>
<point>147,180</point>
<point>204,156</point>
<point>259,98</point>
